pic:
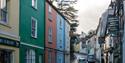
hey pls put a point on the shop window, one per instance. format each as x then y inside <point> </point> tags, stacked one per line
<point>6,56</point>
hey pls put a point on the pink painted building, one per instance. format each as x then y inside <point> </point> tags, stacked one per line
<point>50,36</point>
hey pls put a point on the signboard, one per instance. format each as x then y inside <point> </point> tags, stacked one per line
<point>113,25</point>
<point>9,42</point>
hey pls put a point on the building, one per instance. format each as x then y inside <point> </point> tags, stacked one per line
<point>111,38</point>
<point>50,40</point>
<point>101,32</point>
<point>67,42</point>
<point>80,49</point>
<point>60,38</point>
<point>123,47</point>
<point>32,31</point>
<point>9,31</point>
<point>91,47</point>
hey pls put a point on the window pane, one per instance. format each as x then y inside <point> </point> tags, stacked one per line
<point>49,56</point>
<point>3,11</point>
<point>34,3</point>
<point>50,9</point>
<point>2,4</point>
<point>34,28</point>
<point>50,34</point>
<point>30,54</point>
<point>6,56</point>
<point>40,59</point>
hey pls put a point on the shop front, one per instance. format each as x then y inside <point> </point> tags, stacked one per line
<point>9,51</point>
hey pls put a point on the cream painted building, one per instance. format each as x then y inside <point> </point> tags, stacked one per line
<point>9,31</point>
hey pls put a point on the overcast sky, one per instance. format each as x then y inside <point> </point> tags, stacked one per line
<point>89,13</point>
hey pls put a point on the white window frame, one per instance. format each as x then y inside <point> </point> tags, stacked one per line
<point>5,11</point>
<point>34,3</point>
<point>33,19</point>
<point>30,56</point>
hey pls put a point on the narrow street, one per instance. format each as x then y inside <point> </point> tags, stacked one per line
<point>62,31</point>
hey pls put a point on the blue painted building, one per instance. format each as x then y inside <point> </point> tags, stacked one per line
<point>67,41</point>
<point>60,45</point>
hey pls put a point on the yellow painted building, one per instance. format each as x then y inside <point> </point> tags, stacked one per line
<point>9,31</point>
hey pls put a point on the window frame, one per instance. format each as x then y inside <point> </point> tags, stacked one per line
<point>34,4</point>
<point>30,57</point>
<point>41,58</point>
<point>60,23</point>
<point>6,12</point>
<point>49,56</point>
<point>50,34</point>
<point>33,19</point>
<point>49,13</point>
<point>49,8</point>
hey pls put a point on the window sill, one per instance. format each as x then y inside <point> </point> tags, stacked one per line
<point>50,42</point>
<point>34,8</point>
<point>33,37</point>
<point>5,24</point>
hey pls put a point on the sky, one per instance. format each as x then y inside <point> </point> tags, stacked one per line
<point>89,13</point>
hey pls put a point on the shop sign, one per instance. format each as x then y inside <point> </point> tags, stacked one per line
<point>9,42</point>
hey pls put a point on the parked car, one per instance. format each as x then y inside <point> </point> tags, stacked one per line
<point>91,59</point>
<point>82,60</point>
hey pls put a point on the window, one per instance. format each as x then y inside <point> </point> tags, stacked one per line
<point>3,11</point>
<point>60,59</point>
<point>50,34</point>
<point>40,59</point>
<point>50,13</point>
<point>49,56</point>
<point>60,23</point>
<point>34,28</point>
<point>30,56</point>
<point>34,4</point>
<point>6,56</point>
<point>50,9</point>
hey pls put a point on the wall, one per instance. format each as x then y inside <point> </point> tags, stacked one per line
<point>60,32</point>
<point>52,24</point>
<point>123,47</point>
<point>26,13</point>
<point>27,41</point>
<point>50,45</point>
<point>67,37</point>
<point>60,45</point>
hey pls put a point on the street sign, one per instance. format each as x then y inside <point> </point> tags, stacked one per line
<point>113,25</point>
